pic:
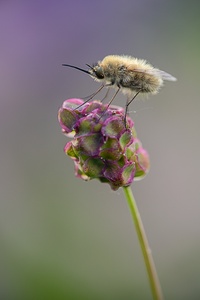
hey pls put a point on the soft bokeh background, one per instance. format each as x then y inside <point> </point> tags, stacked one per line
<point>63,238</point>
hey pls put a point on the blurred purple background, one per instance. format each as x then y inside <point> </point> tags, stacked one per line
<point>60,237</point>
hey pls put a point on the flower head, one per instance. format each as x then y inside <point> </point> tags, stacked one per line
<point>103,147</point>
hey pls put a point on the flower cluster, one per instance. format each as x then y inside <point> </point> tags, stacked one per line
<point>103,146</point>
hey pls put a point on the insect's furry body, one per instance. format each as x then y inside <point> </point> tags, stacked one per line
<point>130,74</point>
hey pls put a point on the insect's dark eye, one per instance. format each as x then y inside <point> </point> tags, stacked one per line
<point>98,72</point>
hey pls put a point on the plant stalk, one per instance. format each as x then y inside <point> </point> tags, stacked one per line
<point>146,251</point>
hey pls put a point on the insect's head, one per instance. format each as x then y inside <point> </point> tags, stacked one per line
<point>96,71</point>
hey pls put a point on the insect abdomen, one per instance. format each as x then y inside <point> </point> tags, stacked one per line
<point>144,83</point>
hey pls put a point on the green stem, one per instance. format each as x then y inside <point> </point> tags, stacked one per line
<point>151,270</point>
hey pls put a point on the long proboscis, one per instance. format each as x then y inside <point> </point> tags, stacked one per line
<point>77,68</point>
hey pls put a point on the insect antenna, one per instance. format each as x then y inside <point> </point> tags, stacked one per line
<point>90,66</point>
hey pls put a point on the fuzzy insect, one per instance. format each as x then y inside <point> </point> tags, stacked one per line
<point>128,74</point>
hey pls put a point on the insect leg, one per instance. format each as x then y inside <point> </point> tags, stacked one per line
<point>91,96</point>
<point>129,102</point>
<point>113,97</point>
<point>106,95</point>
<point>127,105</point>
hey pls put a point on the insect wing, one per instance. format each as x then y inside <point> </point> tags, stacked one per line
<point>156,72</point>
<point>166,76</point>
